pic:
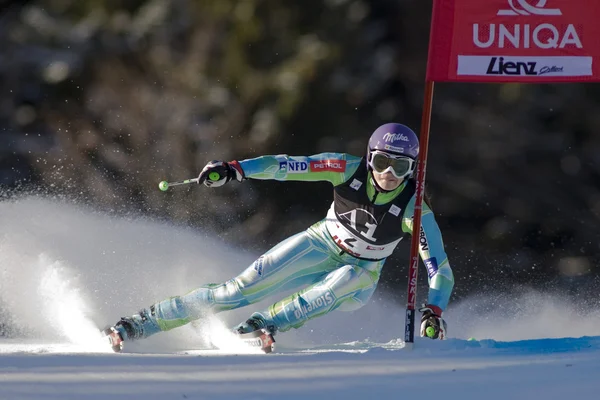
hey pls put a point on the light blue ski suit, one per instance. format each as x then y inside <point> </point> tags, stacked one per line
<point>316,262</point>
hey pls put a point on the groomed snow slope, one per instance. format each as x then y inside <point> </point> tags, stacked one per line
<point>66,271</point>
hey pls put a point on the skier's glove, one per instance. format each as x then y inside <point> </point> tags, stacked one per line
<point>432,318</point>
<point>218,173</point>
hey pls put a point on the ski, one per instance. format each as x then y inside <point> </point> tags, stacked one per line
<point>261,339</point>
<point>114,339</point>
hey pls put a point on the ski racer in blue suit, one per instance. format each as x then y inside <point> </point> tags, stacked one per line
<point>335,263</point>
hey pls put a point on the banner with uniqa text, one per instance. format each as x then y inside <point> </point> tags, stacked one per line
<point>515,41</point>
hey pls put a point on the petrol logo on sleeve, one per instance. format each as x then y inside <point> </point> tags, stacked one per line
<point>328,165</point>
<point>432,266</point>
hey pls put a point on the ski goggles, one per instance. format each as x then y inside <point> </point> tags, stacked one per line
<point>399,166</point>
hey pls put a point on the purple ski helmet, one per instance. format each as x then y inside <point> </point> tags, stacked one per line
<point>397,143</point>
<point>395,139</point>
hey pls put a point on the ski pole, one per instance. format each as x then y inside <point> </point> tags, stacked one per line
<point>164,185</point>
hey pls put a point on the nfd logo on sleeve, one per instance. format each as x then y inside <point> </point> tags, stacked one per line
<point>296,166</point>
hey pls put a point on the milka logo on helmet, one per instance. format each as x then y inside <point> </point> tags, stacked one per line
<point>392,137</point>
<point>525,8</point>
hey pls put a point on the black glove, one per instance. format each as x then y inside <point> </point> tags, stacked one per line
<point>432,318</point>
<point>218,173</point>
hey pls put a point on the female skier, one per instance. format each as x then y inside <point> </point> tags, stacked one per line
<point>335,263</point>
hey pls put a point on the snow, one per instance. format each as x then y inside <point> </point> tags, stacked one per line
<point>453,370</point>
<point>66,271</point>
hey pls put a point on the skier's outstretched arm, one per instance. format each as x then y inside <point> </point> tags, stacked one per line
<point>335,168</point>
<point>439,273</point>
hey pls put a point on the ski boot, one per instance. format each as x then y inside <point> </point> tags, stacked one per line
<point>116,334</point>
<point>256,332</point>
<point>115,340</point>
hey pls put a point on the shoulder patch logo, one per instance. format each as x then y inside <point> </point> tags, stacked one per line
<point>395,210</point>
<point>356,184</point>
<point>258,265</point>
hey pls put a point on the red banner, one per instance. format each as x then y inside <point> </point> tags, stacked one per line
<point>515,41</point>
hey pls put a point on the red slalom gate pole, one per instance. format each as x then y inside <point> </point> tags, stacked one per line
<point>413,270</point>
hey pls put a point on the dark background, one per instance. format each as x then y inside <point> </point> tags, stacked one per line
<point>101,100</point>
